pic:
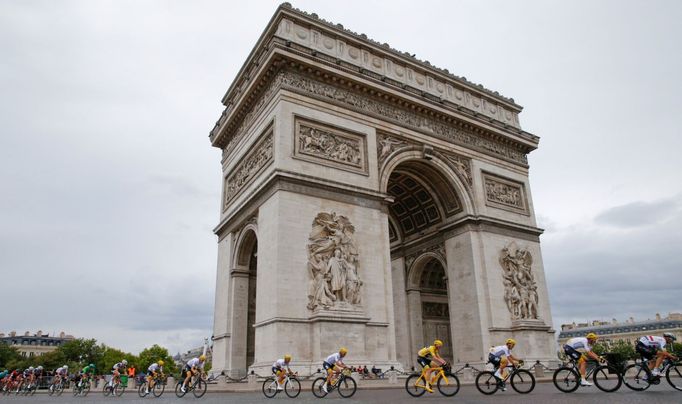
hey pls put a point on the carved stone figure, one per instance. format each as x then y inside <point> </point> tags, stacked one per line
<point>318,142</point>
<point>386,146</point>
<point>520,290</point>
<point>333,263</point>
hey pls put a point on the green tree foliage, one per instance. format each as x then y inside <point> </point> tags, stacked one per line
<point>84,351</point>
<point>8,355</point>
<point>153,354</point>
<point>677,349</point>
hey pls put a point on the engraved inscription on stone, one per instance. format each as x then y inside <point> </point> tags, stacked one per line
<point>330,146</point>
<point>520,289</point>
<point>247,168</point>
<point>333,264</point>
<point>504,193</point>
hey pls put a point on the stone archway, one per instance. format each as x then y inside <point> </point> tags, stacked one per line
<point>244,276</point>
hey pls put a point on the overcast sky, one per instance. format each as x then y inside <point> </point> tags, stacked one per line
<point>110,188</point>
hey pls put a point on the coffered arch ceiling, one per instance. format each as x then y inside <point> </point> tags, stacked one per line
<point>422,197</point>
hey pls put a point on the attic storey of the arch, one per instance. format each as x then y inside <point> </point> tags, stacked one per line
<point>372,201</point>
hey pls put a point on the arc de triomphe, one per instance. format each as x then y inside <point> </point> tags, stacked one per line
<point>373,201</point>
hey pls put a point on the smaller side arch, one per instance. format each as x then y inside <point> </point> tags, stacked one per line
<point>416,269</point>
<point>245,242</point>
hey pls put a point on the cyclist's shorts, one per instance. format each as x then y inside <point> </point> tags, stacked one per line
<point>326,365</point>
<point>572,353</point>
<point>423,361</point>
<point>494,360</point>
<point>275,369</point>
<point>151,373</point>
<point>646,351</point>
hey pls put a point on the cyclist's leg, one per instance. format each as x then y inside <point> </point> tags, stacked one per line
<point>503,366</point>
<point>188,375</point>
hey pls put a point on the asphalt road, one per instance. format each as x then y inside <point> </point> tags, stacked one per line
<point>543,393</point>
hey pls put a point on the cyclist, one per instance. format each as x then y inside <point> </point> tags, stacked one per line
<point>116,370</point>
<point>333,365</point>
<point>37,374</point>
<point>580,348</point>
<point>651,346</point>
<point>86,373</point>
<point>191,368</point>
<point>152,371</point>
<point>500,356</point>
<point>428,356</point>
<point>60,373</point>
<point>278,369</point>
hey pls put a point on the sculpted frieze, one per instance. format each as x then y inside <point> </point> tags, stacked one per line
<point>247,168</point>
<point>333,264</point>
<point>462,167</point>
<point>386,145</point>
<point>330,146</point>
<point>520,289</point>
<point>401,116</point>
<point>504,193</point>
<point>435,310</point>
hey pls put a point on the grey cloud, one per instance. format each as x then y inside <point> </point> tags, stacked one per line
<point>637,214</point>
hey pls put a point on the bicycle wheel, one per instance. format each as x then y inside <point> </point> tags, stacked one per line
<point>178,389</point>
<point>199,388</point>
<point>119,389</point>
<point>59,389</point>
<point>158,389</point>
<point>142,390</point>
<point>85,390</point>
<point>635,377</point>
<point>448,385</point>
<point>347,387</point>
<point>607,378</point>
<point>522,381</point>
<point>270,387</point>
<point>317,387</point>
<point>486,383</point>
<point>674,376</point>
<point>107,390</point>
<point>411,385</point>
<point>292,387</point>
<point>566,379</point>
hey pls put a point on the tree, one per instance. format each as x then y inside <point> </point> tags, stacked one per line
<point>153,354</point>
<point>112,356</point>
<point>8,354</point>
<point>83,352</point>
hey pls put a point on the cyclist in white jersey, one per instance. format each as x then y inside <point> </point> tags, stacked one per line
<point>333,365</point>
<point>500,355</point>
<point>580,348</point>
<point>191,368</point>
<point>278,369</point>
<point>116,372</point>
<point>651,345</point>
<point>152,371</point>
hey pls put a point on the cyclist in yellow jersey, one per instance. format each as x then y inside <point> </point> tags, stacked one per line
<point>427,356</point>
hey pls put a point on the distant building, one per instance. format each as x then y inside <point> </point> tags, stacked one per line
<point>182,358</point>
<point>629,331</point>
<point>37,344</point>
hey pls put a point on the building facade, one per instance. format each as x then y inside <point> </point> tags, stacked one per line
<point>37,344</point>
<point>372,201</point>
<point>629,331</point>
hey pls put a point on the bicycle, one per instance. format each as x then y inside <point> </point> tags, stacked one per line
<point>118,388</point>
<point>446,382</point>
<point>157,390</point>
<point>292,387</point>
<point>56,388</point>
<point>521,380</point>
<point>638,377</point>
<point>606,377</point>
<point>82,388</point>
<point>345,385</point>
<point>197,387</point>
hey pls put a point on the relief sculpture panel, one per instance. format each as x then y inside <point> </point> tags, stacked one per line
<point>247,168</point>
<point>330,146</point>
<point>505,194</point>
<point>333,264</point>
<point>520,289</point>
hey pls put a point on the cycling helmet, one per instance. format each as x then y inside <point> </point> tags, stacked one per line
<point>510,341</point>
<point>161,363</point>
<point>124,362</point>
<point>287,358</point>
<point>92,365</point>
<point>669,335</point>
<point>39,368</point>
<point>591,336</point>
<point>343,351</point>
<point>202,357</point>
<point>66,367</point>
<point>438,343</point>
<point>30,368</point>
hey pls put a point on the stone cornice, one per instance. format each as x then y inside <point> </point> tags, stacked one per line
<point>266,59</point>
<point>387,104</point>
